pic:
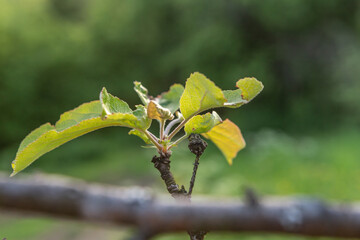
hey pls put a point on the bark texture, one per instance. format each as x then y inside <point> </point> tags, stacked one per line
<point>61,197</point>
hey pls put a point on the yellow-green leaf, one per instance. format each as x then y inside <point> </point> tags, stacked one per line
<point>142,92</point>
<point>140,134</point>
<point>142,120</point>
<point>171,98</point>
<point>202,123</point>
<point>228,138</point>
<point>112,104</point>
<point>155,111</point>
<point>137,119</point>
<point>234,99</point>
<point>75,116</point>
<point>200,94</point>
<point>35,134</point>
<point>248,89</point>
<point>72,124</point>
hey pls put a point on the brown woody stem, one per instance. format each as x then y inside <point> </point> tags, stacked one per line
<point>162,164</point>
<point>193,177</point>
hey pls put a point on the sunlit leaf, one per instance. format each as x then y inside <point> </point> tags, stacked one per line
<point>113,104</point>
<point>202,123</point>
<point>142,120</point>
<point>140,134</point>
<point>137,119</point>
<point>248,89</point>
<point>142,92</point>
<point>72,124</point>
<point>31,137</point>
<point>171,98</point>
<point>200,94</point>
<point>77,115</point>
<point>234,99</point>
<point>228,138</point>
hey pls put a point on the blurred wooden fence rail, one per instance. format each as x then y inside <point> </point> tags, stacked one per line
<point>64,197</point>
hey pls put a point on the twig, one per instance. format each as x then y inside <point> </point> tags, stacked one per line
<point>192,181</point>
<point>162,164</point>
<point>197,146</point>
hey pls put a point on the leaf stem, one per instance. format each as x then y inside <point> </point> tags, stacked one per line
<point>153,139</point>
<point>171,124</point>
<point>156,139</point>
<point>178,128</point>
<point>162,126</point>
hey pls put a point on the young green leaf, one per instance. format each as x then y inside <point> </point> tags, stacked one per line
<point>228,138</point>
<point>200,94</point>
<point>72,124</point>
<point>155,111</point>
<point>248,89</point>
<point>234,99</point>
<point>171,98</point>
<point>35,134</point>
<point>140,134</point>
<point>113,104</point>
<point>202,123</point>
<point>142,121</point>
<point>142,92</point>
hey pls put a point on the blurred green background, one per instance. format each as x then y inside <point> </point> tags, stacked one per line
<point>302,131</point>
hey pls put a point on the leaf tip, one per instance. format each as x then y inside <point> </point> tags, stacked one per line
<point>13,167</point>
<point>195,73</point>
<point>250,87</point>
<point>103,91</point>
<point>101,96</point>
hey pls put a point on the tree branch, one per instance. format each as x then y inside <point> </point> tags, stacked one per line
<point>75,199</point>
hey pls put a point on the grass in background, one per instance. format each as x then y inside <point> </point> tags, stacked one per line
<point>325,166</point>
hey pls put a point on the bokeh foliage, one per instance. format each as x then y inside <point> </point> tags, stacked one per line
<point>56,54</point>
